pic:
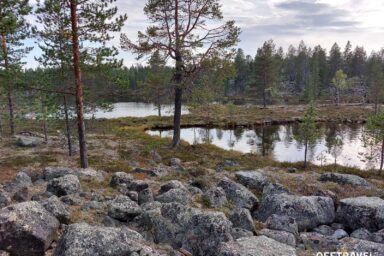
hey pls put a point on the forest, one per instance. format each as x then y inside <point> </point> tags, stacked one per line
<point>199,148</point>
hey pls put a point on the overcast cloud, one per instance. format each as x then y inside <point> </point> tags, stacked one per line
<point>286,21</point>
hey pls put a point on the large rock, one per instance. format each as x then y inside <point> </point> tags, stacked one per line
<point>28,141</point>
<point>166,223</point>
<point>206,231</point>
<point>282,223</point>
<point>215,197</point>
<point>26,229</point>
<point>343,179</point>
<point>5,199</point>
<point>171,185</point>
<point>361,212</point>
<point>57,208</point>
<point>242,218</point>
<point>85,240</point>
<point>238,194</point>
<point>90,174</point>
<point>280,236</point>
<point>350,245</point>
<point>181,196</point>
<point>66,185</point>
<point>308,211</point>
<point>255,246</point>
<point>317,242</point>
<point>145,196</point>
<point>123,208</point>
<point>21,181</point>
<point>50,173</point>
<point>252,179</point>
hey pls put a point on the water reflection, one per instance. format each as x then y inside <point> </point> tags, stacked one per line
<point>341,144</point>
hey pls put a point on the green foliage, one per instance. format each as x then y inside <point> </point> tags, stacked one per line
<point>340,80</point>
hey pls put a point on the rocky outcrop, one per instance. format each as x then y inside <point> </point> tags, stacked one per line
<point>350,245</point>
<point>252,179</point>
<point>282,223</point>
<point>57,209</point>
<point>206,231</point>
<point>120,178</point>
<point>145,196</point>
<point>177,195</point>
<point>280,236</point>
<point>318,243</point>
<point>123,208</point>
<point>66,185</point>
<point>26,229</point>
<point>50,173</point>
<point>361,212</point>
<point>239,195</point>
<point>343,179</point>
<point>242,218</point>
<point>255,246</point>
<point>215,197</point>
<point>86,240</point>
<point>308,211</point>
<point>28,141</point>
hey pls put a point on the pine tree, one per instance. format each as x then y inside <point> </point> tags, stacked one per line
<point>335,61</point>
<point>375,80</point>
<point>14,28</point>
<point>340,82</point>
<point>185,31</point>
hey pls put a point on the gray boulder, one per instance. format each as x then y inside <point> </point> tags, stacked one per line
<point>282,223</point>
<point>123,208</point>
<point>120,178</point>
<point>252,179</point>
<point>308,211</point>
<point>239,233</point>
<point>83,239</point>
<point>137,185</point>
<point>28,141</point>
<point>215,197</point>
<point>350,244</point>
<point>255,246</point>
<point>242,218</point>
<point>171,185</point>
<point>57,208</point>
<point>50,173</point>
<point>339,234</point>
<point>181,196</point>
<point>90,174</point>
<point>239,195</point>
<point>133,195</point>
<point>280,236</point>
<point>4,199</point>
<point>26,229</point>
<point>66,185</point>
<point>344,179</point>
<point>22,195</point>
<point>206,231</point>
<point>324,230</point>
<point>361,212</point>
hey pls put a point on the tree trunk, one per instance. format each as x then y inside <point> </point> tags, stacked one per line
<point>382,157</point>
<point>264,99</point>
<point>1,128</point>
<point>79,87</point>
<point>68,131</point>
<point>337,96</point>
<point>159,110</point>
<point>10,99</point>
<point>177,117</point>
<point>305,154</point>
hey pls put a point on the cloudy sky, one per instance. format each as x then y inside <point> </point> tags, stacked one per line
<point>285,21</point>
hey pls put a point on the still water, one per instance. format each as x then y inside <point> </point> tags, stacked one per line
<point>342,144</point>
<point>133,109</point>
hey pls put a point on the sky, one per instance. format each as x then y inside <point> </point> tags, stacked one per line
<point>287,22</point>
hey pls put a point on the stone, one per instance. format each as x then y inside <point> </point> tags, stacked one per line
<point>205,232</point>
<point>158,171</point>
<point>63,186</point>
<point>274,188</point>
<point>58,209</point>
<point>50,173</point>
<point>171,185</point>
<point>255,246</point>
<point>155,156</point>
<point>324,230</point>
<point>339,234</point>
<point>175,195</point>
<point>90,174</point>
<point>86,240</point>
<point>72,200</point>
<point>145,196</point>
<point>22,195</point>
<point>133,195</point>
<point>123,208</point>
<point>242,218</point>
<point>215,197</point>
<point>28,141</point>
<point>280,236</point>
<point>26,229</point>
<point>282,223</point>
<point>137,185</point>
<point>308,211</point>
<point>239,233</point>
<point>363,234</point>
<point>350,244</point>
<point>318,243</point>
<point>120,178</point>
<point>93,205</point>
<point>21,181</point>
<point>252,179</point>
<point>5,199</point>
<point>344,179</point>
<point>239,195</point>
<point>111,222</point>
<point>175,163</point>
<point>361,212</point>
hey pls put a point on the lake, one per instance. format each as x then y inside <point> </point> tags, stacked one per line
<point>134,109</point>
<point>339,142</point>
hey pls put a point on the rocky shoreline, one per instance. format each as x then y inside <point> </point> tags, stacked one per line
<point>150,212</point>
